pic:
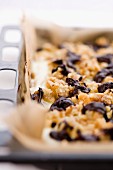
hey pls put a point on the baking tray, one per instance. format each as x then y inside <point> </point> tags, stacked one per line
<point>13,151</point>
<point>52,161</point>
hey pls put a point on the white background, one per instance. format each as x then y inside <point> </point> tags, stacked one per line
<point>88,5</point>
<point>66,12</point>
<point>87,13</point>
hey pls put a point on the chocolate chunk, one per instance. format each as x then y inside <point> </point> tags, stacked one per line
<point>80,78</point>
<point>84,89</point>
<point>64,135</point>
<point>39,49</point>
<point>109,132</point>
<point>61,46</point>
<point>53,124</point>
<point>96,106</point>
<point>73,58</point>
<point>60,135</point>
<point>108,58</point>
<point>88,137</point>
<point>77,85</point>
<point>55,69</point>
<point>64,71</point>
<point>59,61</point>
<point>38,95</point>
<point>61,104</point>
<point>98,46</point>
<point>103,87</point>
<point>72,82</point>
<point>103,73</point>
<point>100,76</point>
<point>72,93</point>
<point>76,96</point>
<point>85,84</point>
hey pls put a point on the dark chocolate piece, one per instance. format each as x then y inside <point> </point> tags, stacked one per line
<point>72,93</point>
<point>59,62</point>
<point>63,134</point>
<point>108,58</point>
<point>109,132</point>
<point>84,89</point>
<point>72,57</point>
<point>80,78</point>
<point>103,87</point>
<point>61,104</point>
<point>72,82</point>
<point>103,73</point>
<point>53,124</point>
<point>64,71</point>
<point>76,96</point>
<point>60,135</point>
<point>96,106</point>
<point>39,49</point>
<point>98,46</point>
<point>77,86</point>
<point>38,96</point>
<point>61,46</point>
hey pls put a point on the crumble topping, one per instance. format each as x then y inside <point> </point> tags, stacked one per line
<point>77,86</point>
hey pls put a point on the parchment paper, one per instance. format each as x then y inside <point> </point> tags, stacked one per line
<point>27,121</point>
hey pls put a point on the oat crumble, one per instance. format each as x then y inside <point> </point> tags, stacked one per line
<point>78,88</point>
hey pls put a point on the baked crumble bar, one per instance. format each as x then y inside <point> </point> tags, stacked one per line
<point>75,82</point>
